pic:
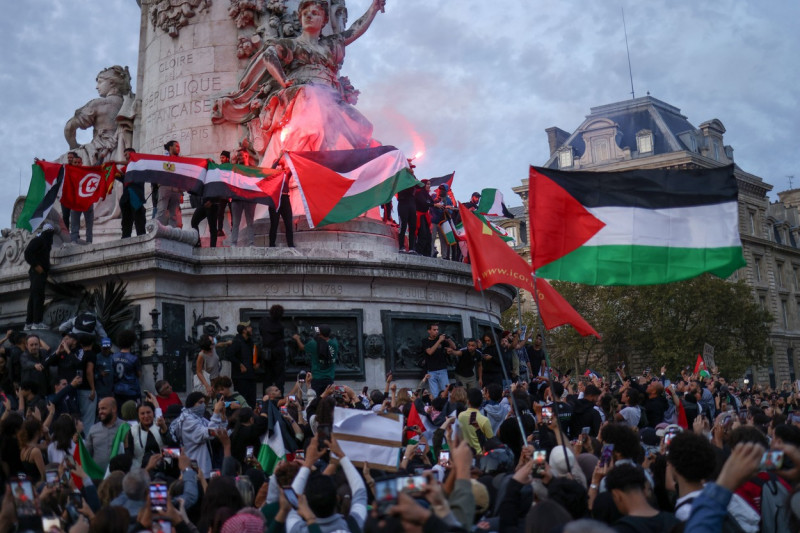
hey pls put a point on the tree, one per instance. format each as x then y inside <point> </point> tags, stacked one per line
<point>665,325</point>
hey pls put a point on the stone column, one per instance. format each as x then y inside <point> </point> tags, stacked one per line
<point>187,56</point>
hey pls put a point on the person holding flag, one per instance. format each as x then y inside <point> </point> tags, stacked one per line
<point>131,202</point>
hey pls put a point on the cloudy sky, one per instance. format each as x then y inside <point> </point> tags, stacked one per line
<point>471,85</point>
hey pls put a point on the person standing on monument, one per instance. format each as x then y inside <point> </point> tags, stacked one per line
<point>131,202</point>
<point>75,218</point>
<point>324,353</point>
<point>241,353</point>
<point>37,255</point>
<point>224,157</point>
<point>434,349</point>
<point>284,211</point>
<point>423,201</point>
<point>272,343</point>
<point>65,211</point>
<point>170,198</point>
<point>407,212</point>
<point>240,207</point>
<point>206,210</point>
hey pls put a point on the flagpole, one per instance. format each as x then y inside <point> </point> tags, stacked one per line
<point>503,366</point>
<point>549,371</point>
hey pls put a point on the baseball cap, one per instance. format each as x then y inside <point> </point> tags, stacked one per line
<point>105,342</point>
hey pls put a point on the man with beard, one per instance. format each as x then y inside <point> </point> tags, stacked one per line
<point>101,435</point>
<point>66,357</point>
<point>32,363</point>
<point>584,414</point>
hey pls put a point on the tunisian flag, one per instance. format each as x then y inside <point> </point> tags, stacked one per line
<point>493,262</point>
<point>83,186</point>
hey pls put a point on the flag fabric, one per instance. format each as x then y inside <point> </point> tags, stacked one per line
<point>414,420</point>
<point>277,442</point>
<point>638,227</point>
<point>452,232</point>
<point>700,367</point>
<point>82,457</point>
<point>493,261</point>
<point>492,204</point>
<point>83,186</point>
<point>589,373</point>
<point>46,180</point>
<point>339,185</point>
<point>556,311</point>
<point>683,420</point>
<point>442,180</point>
<point>368,437</point>
<point>184,173</point>
<point>251,184</point>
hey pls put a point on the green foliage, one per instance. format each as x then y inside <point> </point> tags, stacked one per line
<point>666,325</point>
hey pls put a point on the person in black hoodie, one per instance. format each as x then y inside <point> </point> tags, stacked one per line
<point>584,414</point>
<point>37,255</point>
<point>272,342</point>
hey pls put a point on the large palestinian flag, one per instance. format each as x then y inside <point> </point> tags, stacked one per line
<point>339,185</point>
<point>636,227</point>
<point>238,182</point>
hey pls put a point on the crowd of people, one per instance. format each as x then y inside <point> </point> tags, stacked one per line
<point>84,448</point>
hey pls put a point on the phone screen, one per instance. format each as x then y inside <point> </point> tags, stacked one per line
<point>385,494</point>
<point>606,454</point>
<point>51,477</point>
<point>51,523</point>
<point>291,497</point>
<point>22,490</point>
<point>771,460</point>
<point>249,451</point>
<point>171,453</point>
<point>539,461</point>
<point>411,485</point>
<point>162,526</point>
<point>586,430</point>
<point>547,414</point>
<point>420,448</point>
<point>76,499</point>
<point>214,473</point>
<point>444,457</point>
<point>158,496</point>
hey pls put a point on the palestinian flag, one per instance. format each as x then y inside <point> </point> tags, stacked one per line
<point>452,232</point>
<point>251,184</point>
<point>83,186</point>
<point>339,185</point>
<point>414,420</point>
<point>184,173</point>
<point>82,457</point>
<point>46,180</point>
<point>638,227</point>
<point>442,180</point>
<point>277,442</point>
<point>700,367</point>
<point>492,204</point>
<point>499,230</point>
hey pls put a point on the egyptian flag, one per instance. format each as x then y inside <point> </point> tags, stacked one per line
<point>250,184</point>
<point>184,173</point>
<point>46,180</point>
<point>638,227</point>
<point>83,186</point>
<point>339,185</point>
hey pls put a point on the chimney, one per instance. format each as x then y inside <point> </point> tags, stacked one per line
<point>556,137</point>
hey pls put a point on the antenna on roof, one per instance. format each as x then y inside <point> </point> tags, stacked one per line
<point>630,70</point>
<point>790,181</point>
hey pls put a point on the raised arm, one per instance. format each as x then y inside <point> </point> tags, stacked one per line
<point>360,26</point>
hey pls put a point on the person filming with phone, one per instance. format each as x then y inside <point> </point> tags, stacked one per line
<point>324,353</point>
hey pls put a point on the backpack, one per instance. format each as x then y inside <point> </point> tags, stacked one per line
<point>775,511</point>
<point>85,322</point>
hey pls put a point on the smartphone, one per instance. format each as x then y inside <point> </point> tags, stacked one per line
<point>420,449</point>
<point>301,377</point>
<point>586,430</point>
<point>606,454</point>
<point>158,496</point>
<point>260,405</point>
<point>539,461</point>
<point>214,473</point>
<point>79,373</point>
<point>51,477</point>
<point>668,438</point>
<point>162,526</point>
<point>22,490</point>
<point>473,417</point>
<point>323,434</point>
<point>385,495</point>
<point>291,497</point>
<point>300,454</point>
<point>146,393</point>
<point>547,414</point>
<point>771,460</point>
<point>444,457</point>
<point>249,451</point>
<point>76,499</point>
<point>194,465</point>
<point>170,453</point>
<point>284,410</point>
<point>51,523</point>
<point>292,398</point>
<point>411,485</point>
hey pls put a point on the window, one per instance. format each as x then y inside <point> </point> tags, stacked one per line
<point>565,158</point>
<point>716,150</point>
<point>792,240</point>
<point>752,219</point>
<point>692,143</point>
<point>779,274</point>
<point>523,232</point>
<point>778,236</point>
<point>790,357</point>
<point>785,314</point>
<point>794,277</point>
<point>644,141</point>
<point>762,302</point>
<point>757,268</point>
<point>600,150</point>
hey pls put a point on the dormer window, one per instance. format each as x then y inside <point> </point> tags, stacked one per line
<point>644,141</point>
<point>693,143</point>
<point>565,157</point>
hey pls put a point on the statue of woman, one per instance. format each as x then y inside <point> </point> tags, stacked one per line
<point>293,86</point>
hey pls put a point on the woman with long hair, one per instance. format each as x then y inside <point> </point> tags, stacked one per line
<point>207,366</point>
<point>64,431</point>
<point>29,453</point>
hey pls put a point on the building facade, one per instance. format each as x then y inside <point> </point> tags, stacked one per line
<point>648,133</point>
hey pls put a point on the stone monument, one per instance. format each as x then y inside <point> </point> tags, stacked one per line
<point>227,74</point>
